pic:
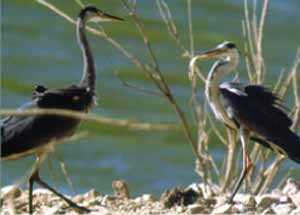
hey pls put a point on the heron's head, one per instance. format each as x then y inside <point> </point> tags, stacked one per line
<point>222,52</point>
<point>93,14</point>
<point>226,53</point>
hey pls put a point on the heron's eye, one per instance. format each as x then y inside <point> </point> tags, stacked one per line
<point>231,45</point>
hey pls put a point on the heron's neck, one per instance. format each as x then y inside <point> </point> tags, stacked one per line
<point>89,75</point>
<point>212,92</point>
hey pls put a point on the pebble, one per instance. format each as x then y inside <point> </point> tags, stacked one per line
<point>47,203</point>
<point>121,189</point>
<point>78,199</point>
<point>268,211</point>
<point>91,195</point>
<point>247,199</point>
<point>283,208</point>
<point>296,211</point>
<point>266,200</point>
<point>295,198</point>
<point>144,198</point>
<point>10,191</point>
<point>196,208</point>
<point>179,209</point>
<point>225,208</point>
<point>291,187</point>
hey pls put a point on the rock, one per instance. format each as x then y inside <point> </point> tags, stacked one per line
<point>106,199</point>
<point>247,200</point>
<point>179,209</point>
<point>148,198</point>
<point>266,200</point>
<point>11,191</point>
<point>296,211</point>
<point>196,209</point>
<point>102,211</point>
<point>78,199</point>
<point>178,196</point>
<point>144,198</point>
<point>283,208</point>
<point>291,187</point>
<point>223,209</point>
<point>121,189</point>
<point>285,199</point>
<point>268,211</point>
<point>295,198</point>
<point>52,210</point>
<point>91,195</point>
<point>241,208</point>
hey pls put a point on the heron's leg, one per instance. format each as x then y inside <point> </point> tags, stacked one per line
<point>31,181</point>
<point>35,177</point>
<point>247,164</point>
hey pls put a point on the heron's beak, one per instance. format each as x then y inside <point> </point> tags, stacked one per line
<point>210,54</point>
<point>107,17</point>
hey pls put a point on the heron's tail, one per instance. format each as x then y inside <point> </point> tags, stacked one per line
<point>290,143</point>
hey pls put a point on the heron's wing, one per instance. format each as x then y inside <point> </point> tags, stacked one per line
<point>257,100</point>
<point>12,126</point>
<point>257,110</point>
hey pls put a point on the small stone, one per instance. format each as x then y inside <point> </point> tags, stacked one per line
<point>91,195</point>
<point>295,198</point>
<point>11,191</point>
<point>266,200</point>
<point>102,211</point>
<point>296,211</point>
<point>147,198</point>
<point>78,199</point>
<point>225,208</point>
<point>196,209</point>
<point>178,196</point>
<point>283,208</point>
<point>268,211</point>
<point>220,200</point>
<point>179,209</point>
<point>284,200</point>
<point>41,191</point>
<point>52,210</point>
<point>247,199</point>
<point>250,202</point>
<point>107,199</point>
<point>121,189</point>
<point>291,187</point>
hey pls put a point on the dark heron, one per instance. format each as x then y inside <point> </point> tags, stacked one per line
<point>27,135</point>
<point>251,109</point>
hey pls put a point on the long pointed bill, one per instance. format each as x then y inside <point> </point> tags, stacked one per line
<point>204,55</point>
<point>105,17</point>
<point>213,53</point>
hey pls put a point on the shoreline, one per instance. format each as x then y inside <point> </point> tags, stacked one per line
<point>194,199</point>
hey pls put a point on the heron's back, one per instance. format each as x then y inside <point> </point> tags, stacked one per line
<point>24,135</point>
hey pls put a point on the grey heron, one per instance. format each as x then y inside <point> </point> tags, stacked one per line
<point>253,110</point>
<point>26,135</point>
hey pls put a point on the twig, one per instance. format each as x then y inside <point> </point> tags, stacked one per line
<point>91,117</point>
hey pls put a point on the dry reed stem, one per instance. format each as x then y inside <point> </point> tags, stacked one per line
<point>161,82</point>
<point>130,124</point>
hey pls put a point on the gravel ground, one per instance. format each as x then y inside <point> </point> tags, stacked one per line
<point>194,199</point>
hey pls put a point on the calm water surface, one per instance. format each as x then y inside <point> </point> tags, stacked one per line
<point>39,47</point>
